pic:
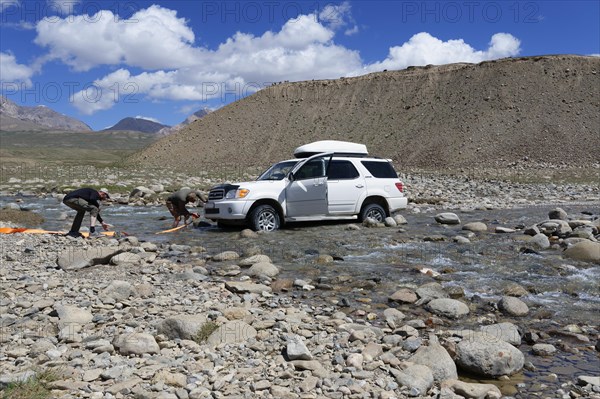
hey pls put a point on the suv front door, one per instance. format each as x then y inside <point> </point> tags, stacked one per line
<point>306,193</point>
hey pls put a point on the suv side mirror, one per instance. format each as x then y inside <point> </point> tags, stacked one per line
<point>290,176</point>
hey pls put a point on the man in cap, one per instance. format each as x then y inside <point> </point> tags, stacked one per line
<point>176,204</point>
<point>86,200</point>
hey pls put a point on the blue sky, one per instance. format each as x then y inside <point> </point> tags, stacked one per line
<point>100,61</point>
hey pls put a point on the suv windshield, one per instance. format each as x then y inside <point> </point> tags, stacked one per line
<point>278,171</point>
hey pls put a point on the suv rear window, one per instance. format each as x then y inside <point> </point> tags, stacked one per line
<point>380,169</point>
<point>340,170</point>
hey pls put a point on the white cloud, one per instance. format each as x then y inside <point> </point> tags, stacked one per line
<point>64,7</point>
<point>174,68</point>
<point>424,49</point>
<point>13,72</point>
<point>339,16</point>
<point>152,38</point>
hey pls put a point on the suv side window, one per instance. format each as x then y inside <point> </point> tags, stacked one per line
<point>342,170</point>
<point>311,169</point>
<point>380,169</point>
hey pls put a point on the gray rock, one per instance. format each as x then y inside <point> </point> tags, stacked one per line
<point>254,259</point>
<point>540,240</point>
<point>437,359</point>
<point>504,230</point>
<point>588,380</point>
<point>558,213</point>
<point>118,290</point>
<point>75,259</point>
<point>489,356</point>
<point>543,349</point>
<point>225,256</point>
<point>430,291</point>
<point>513,306</point>
<point>404,295</point>
<point>585,251</point>
<point>447,218</point>
<point>447,307</point>
<point>297,350</point>
<point>182,326</point>
<point>475,227</point>
<point>263,269</point>
<point>390,222</point>
<point>416,377</point>
<point>399,219</point>
<point>125,258</point>
<point>393,317</point>
<point>472,390</point>
<point>73,315</point>
<point>136,344</point>
<point>243,287</point>
<point>507,332</point>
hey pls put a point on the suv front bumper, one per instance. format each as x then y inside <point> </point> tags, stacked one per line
<point>227,209</point>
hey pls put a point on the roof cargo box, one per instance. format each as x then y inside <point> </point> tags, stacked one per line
<point>335,146</point>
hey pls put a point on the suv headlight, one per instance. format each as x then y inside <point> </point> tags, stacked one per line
<point>239,193</point>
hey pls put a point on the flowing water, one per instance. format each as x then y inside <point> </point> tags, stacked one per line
<point>371,264</point>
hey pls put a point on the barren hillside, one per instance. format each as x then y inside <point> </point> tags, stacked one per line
<point>544,109</point>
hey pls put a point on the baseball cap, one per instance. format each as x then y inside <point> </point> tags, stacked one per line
<point>105,191</point>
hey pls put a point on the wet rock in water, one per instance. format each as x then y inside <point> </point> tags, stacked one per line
<point>263,269</point>
<point>543,349</point>
<point>136,344</point>
<point>258,258</point>
<point>540,240</point>
<point>390,222</point>
<point>447,307</point>
<point>447,218</point>
<point>507,332</point>
<point>141,192</point>
<point>504,230</point>
<point>558,213</point>
<point>370,222</point>
<point>430,291</point>
<point>475,227</point>
<point>588,380</point>
<point>324,259</point>
<point>488,356</point>
<point>585,251</point>
<point>513,306</point>
<point>461,240</point>
<point>472,390</point>
<point>225,256</point>
<point>399,219</point>
<point>514,289</point>
<point>248,233</point>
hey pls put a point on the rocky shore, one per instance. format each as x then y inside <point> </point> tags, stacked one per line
<point>120,318</point>
<point>124,317</point>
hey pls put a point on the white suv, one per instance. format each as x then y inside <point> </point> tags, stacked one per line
<point>328,180</point>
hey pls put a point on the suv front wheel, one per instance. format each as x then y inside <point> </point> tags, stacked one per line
<point>265,218</point>
<point>373,211</point>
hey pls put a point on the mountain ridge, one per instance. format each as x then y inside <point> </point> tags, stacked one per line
<point>15,117</point>
<point>543,108</point>
<point>136,125</point>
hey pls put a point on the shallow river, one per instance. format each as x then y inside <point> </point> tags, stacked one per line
<point>371,264</point>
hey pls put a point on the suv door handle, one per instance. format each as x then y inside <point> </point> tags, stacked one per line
<point>359,186</point>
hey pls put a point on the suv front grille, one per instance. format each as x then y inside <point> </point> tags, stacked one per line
<point>216,194</point>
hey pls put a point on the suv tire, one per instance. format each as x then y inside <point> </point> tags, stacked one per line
<point>373,211</point>
<point>264,218</point>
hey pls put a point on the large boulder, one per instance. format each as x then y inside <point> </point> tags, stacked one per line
<point>488,356</point>
<point>437,359</point>
<point>136,344</point>
<point>586,251</point>
<point>447,218</point>
<point>75,259</point>
<point>447,307</point>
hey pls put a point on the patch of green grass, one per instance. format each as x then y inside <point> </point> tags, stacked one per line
<point>207,328</point>
<point>35,387</point>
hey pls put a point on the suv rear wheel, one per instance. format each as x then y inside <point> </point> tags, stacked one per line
<point>265,218</point>
<point>373,211</point>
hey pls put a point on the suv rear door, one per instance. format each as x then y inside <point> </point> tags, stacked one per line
<point>306,193</point>
<point>345,187</point>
